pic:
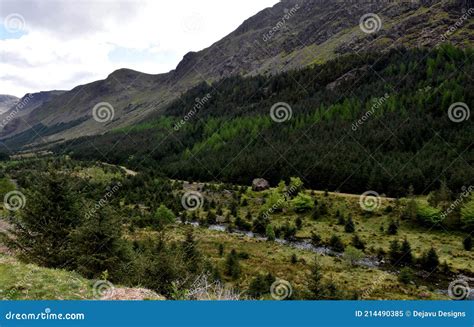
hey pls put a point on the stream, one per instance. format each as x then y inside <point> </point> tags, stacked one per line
<point>305,245</point>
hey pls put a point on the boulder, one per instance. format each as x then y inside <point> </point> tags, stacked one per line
<point>260,184</point>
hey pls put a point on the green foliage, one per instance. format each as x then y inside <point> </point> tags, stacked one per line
<point>232,265</point>
<point>302,203</point>
<point>260,285</point>
<point>428,215</point>
<point>315,285</point>
<point>5,187</point>
<point>467,215</point>
<point>98,246</point>
<point>467,243</point>
<point>392,228</point>
<point>358,243</point>
<point>352,255</point>
<point>336,243</point>
<point>294,259</point>
<point>270,233</point>
<point>163,216</point>
<point>221,249</point>
<point>43,228</point>
<point>316,240</point>
<point>190,251</point>
<point>430,260</point>
<point>349,227</point>
<point>231,127</point>
<point>405,276</point>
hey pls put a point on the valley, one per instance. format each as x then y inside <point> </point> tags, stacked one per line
<point>323,150</point>
<point>283,244</point>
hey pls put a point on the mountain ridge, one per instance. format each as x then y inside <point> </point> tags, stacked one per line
<point>290,35</point>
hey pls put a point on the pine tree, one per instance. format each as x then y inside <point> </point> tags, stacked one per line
<point>394,252</point>
<point>392,228</point>
<point>467,243</point>
<point>299,223</point>
<point>294,259</point>
<point>315,285</point>
<point>190,251</point>
<point>336,244</point>
<point>270,233</point>
<point>341,221</point>
<point>358,243</point>
<point>163,216</point>
<point>98,245</point>
<point>430,260</point>
<point>315,239</point>
<point>406,257</point>
<point>349,227</point>
<point>221,249</point>
<point>232,265</point>
<point>42,230</point>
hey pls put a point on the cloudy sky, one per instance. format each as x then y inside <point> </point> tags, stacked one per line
<point>47,45</point>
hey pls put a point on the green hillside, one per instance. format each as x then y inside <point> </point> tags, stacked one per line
<point>374,121</point>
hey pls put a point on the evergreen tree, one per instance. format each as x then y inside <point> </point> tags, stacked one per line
<point>358,243</point>
<point>392,228</point>
<point>294,259</point>
<point>336,244</point>
<point>341,221</point>
<point>163,216</point>
<point>430,260</point>
<point>467,243</point>
<point>394,252</point>
<point>315,239</point>
<point>42,230</point>
<point>98,246</point>
<point>221,249</point>
<point>232,265</point>
<point>406,257</point>
<point>349,227</point>
<point>270,233</point>
<point>299,223</point>
<point>190,251</point>
<point>315,285</point>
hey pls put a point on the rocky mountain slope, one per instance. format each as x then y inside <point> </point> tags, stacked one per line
<point>290,35</point>
<point>6,102</point>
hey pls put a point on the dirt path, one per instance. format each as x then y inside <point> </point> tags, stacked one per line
<point>127,171</point>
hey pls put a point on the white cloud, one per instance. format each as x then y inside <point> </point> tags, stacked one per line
<point>67,43</point>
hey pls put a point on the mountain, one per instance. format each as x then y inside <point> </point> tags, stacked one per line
<point>16,118</point>
<point>6,102</point>
<point>291,35</point>
<point>378,121</point>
